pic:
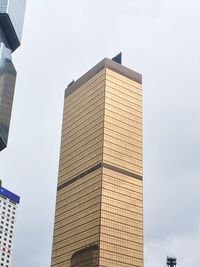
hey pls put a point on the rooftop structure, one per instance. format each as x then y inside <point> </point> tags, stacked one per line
<point>171,262</point>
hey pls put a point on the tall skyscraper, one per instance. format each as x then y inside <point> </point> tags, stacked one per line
<point>99,205</point>
<point>8,207</point>
<point>11,24</point>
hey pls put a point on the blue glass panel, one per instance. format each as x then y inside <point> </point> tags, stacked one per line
<point>4,192</point>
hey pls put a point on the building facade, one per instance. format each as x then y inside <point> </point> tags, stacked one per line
<point>99,205</point>
<point>8,208</point>
<point>11,24</point>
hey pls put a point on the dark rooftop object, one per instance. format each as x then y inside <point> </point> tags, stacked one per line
<point>70,83</point>
<point>118,58</point>
<point>171,261</point>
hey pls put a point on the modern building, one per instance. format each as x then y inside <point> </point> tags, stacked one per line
<point>8,208</point>
<point>99,205</point>
<point>11,24</point>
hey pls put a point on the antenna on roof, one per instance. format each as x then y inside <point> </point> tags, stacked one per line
<point>171,262</point>
<point>118,58</point>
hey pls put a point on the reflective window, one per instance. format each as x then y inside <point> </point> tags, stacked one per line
<point>15,9</point>
<point>7,85</point>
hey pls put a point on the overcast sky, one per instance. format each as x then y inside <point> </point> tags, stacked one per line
<point>62,40</point>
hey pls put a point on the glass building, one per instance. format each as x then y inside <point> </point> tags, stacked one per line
<point>11,25</point>
<point>99,204</point>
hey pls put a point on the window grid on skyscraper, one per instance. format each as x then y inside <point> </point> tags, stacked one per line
<point>99,209</point>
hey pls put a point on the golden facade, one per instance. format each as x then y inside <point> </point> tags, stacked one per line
<point>99,217</point>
